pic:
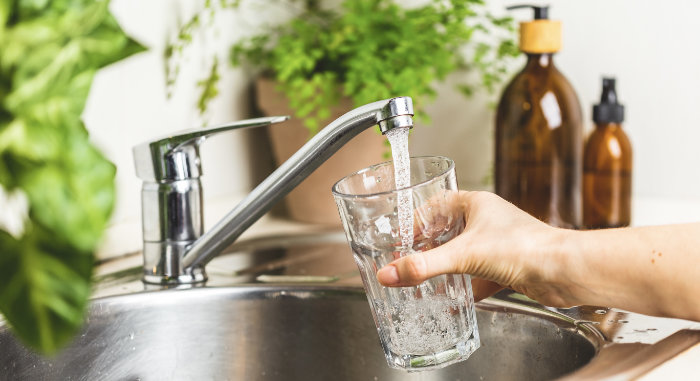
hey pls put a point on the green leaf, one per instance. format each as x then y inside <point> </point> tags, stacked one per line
<point>76,193</point>
<point>45,286</point>
<point>51,52</point>
<point>209,87</point>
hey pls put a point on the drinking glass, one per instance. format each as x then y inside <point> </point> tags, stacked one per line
<point>423,327</point>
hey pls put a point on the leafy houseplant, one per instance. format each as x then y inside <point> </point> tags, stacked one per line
<point>375,49</point>
<point>50,53</point>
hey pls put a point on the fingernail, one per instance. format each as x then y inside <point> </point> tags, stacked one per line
<point>388,275</point>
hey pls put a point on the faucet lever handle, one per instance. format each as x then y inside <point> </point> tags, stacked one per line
<point>176,157</point>
<point>198,135</point>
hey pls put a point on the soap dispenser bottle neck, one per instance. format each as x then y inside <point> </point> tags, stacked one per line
<point>538,61</point>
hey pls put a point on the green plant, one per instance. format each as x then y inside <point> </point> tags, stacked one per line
<point>50,53</point>
<point>175,48</point>
<point>375,49</point>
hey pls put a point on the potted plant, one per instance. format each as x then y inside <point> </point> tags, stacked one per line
<point>324,61</point>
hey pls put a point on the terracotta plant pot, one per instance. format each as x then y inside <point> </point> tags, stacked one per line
<point>312,200</point>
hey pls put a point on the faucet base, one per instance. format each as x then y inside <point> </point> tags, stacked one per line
<point>162,264</point>
<point>197,275</point>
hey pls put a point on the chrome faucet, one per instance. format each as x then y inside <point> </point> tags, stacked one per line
<point>174,249</point>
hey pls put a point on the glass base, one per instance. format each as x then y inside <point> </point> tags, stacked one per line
<point>418,363</point>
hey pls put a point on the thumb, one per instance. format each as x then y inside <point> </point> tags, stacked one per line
<point>413,269</point>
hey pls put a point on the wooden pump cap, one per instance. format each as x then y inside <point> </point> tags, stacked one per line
<point>540,36</point>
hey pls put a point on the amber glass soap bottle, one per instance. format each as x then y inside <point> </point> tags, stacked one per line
<point>539,133</point>
<point>607,165</point>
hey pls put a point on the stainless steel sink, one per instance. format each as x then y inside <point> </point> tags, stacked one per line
<point>293,308</point>
<point>285,333</point>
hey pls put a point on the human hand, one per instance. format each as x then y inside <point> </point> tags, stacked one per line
<point>501,246</point>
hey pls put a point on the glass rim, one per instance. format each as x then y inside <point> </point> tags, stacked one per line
<point>337,193</point>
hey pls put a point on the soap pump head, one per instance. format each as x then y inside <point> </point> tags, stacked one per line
<point>541,13</point>
<point>540,35</point>
<point>608,110</point>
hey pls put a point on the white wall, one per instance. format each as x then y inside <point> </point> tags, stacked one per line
<point>647,45</point>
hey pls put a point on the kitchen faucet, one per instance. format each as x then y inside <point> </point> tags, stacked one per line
<point>175,250</point>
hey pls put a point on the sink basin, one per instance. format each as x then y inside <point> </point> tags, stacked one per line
<point>271,332</point>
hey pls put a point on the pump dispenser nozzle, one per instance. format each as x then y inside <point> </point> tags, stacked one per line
<point>608,110</point>
<point>608,95</point>
<point>540,35</point>
<point>541,13</point>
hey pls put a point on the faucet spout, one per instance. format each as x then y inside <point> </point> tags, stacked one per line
<point>388,114</point>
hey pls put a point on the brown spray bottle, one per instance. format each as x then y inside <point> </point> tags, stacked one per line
<point>607,165</point>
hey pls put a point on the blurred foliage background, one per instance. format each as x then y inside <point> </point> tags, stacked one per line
<point>50,53</point>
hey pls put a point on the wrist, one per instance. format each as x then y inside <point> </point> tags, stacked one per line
<point>563,267</point>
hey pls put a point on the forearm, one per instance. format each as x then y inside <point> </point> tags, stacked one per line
<point>651,270</point>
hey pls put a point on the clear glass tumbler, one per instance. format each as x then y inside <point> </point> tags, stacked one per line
<point>431,325</point>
